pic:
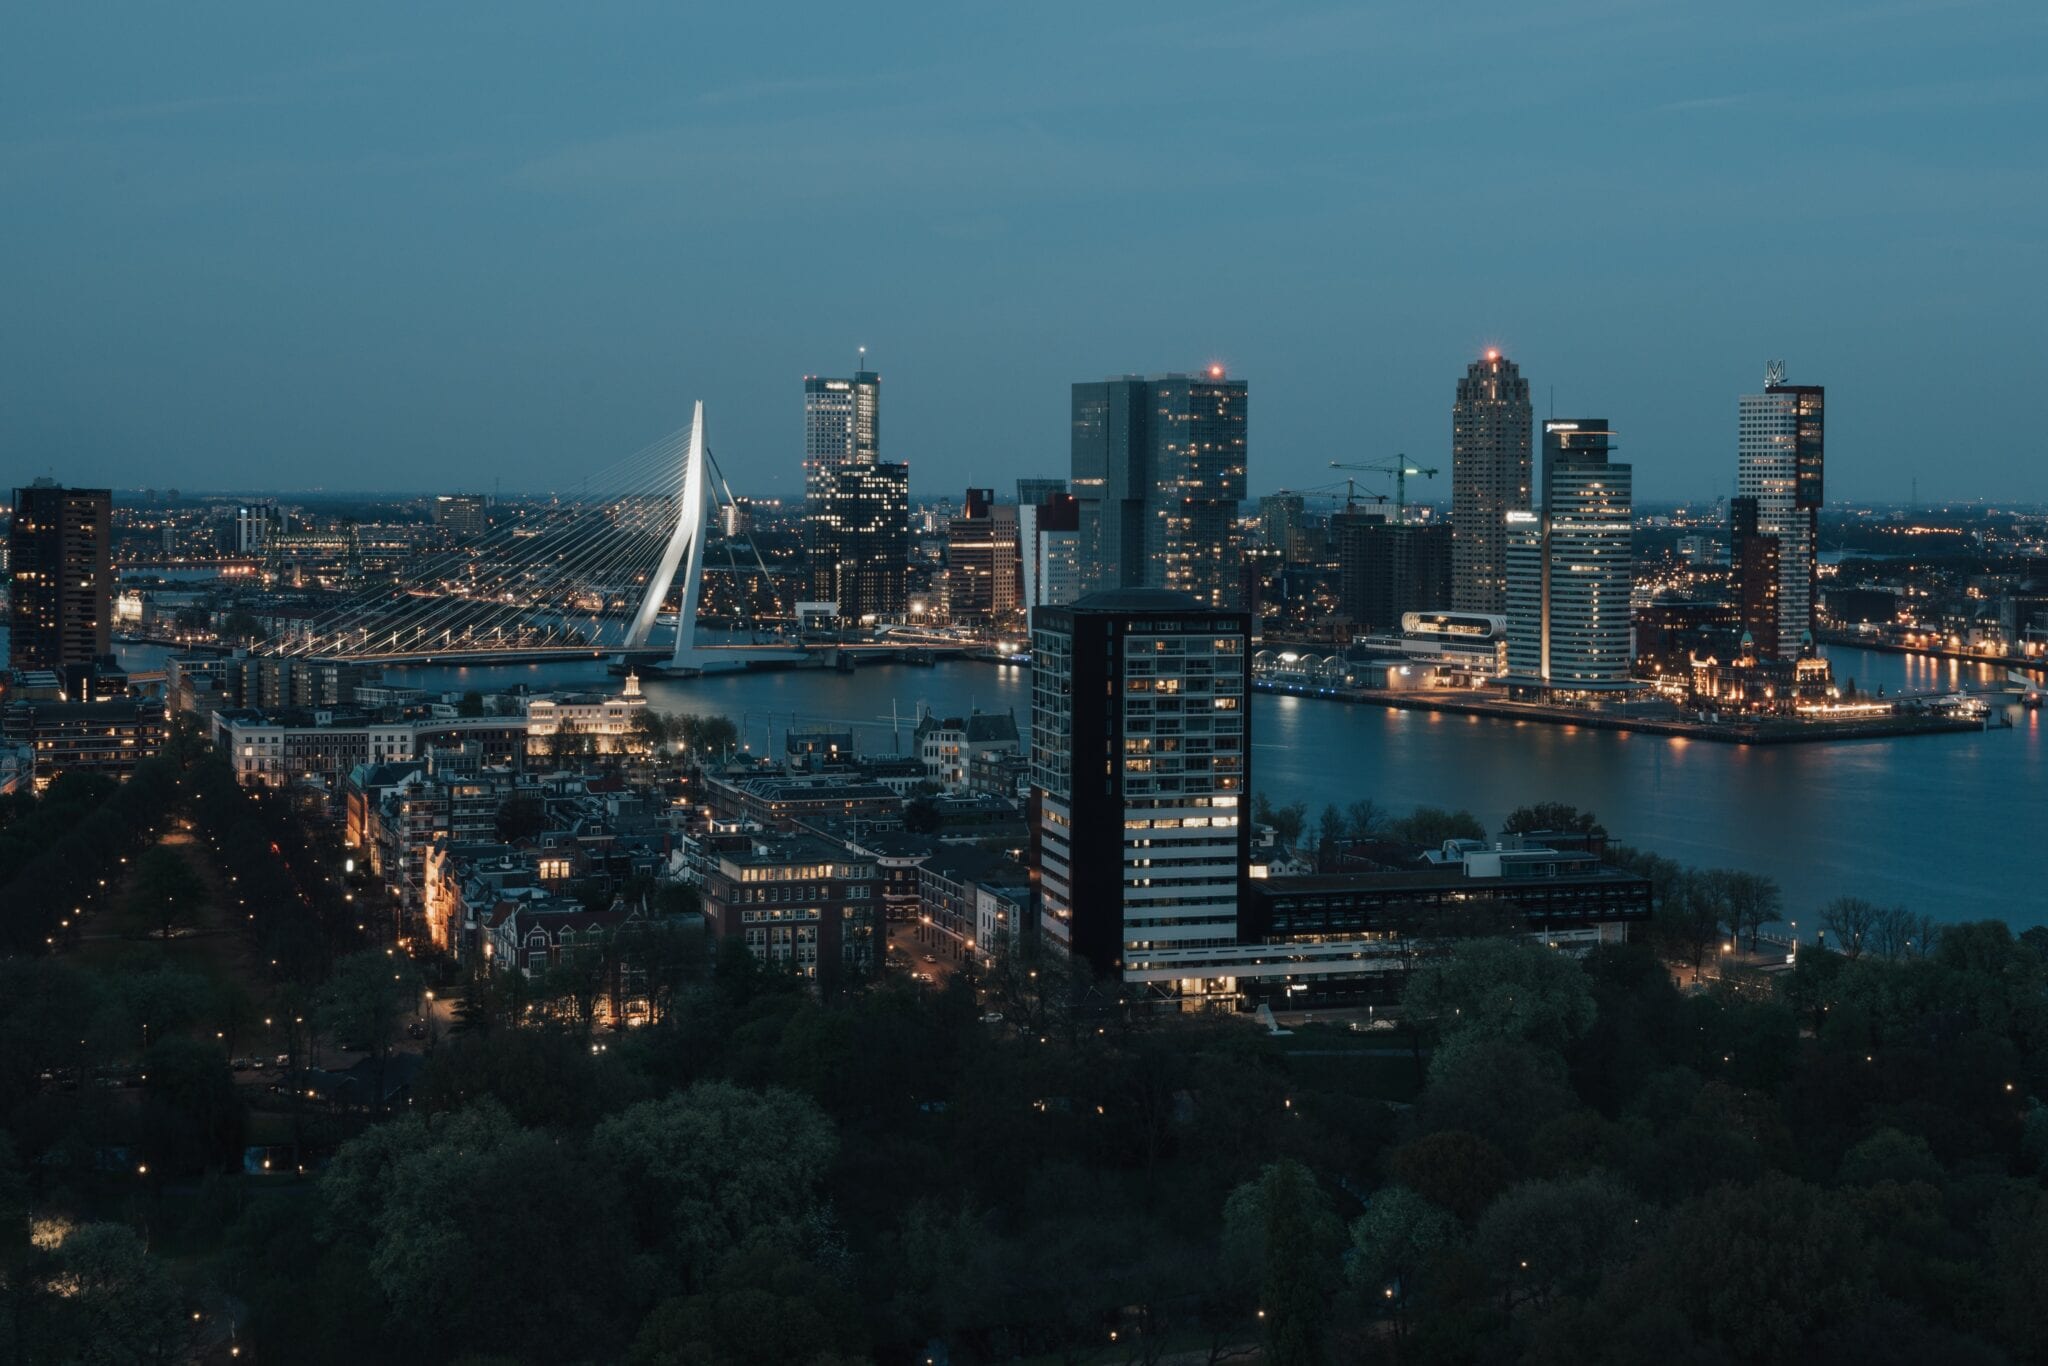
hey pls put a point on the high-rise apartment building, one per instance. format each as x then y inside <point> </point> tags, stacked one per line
<point>842,420</point>
<point>1570,568</point>
<point>858,539</point>
<point>60,576</point>
<point>462,516</point>
<point>1159,471</point>
<point>1780,460</point>
<point>1490,450</point>
<point>1141,771</point>
<point>1385,569</point>
<point>1142,768</point>
<point>1282,518</point>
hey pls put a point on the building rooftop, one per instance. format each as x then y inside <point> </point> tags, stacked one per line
<point>1138,600</point>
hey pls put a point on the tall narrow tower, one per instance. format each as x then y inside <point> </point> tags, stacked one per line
<point>1780,461</point>
<point>1490,449</point>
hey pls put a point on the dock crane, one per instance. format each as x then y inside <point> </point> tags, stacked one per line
<point>1400,469</point>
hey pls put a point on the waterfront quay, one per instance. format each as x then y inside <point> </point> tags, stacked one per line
<point>1763,730</point>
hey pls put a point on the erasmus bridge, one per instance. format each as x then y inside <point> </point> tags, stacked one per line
<point>600,574</point>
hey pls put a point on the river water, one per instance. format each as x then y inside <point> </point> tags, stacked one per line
<point>1944,824</point>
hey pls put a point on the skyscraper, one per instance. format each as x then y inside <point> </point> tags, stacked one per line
<point>1780,457</point>
<point>1141,769</point>
<point>1385,569</point>
<point>1570,567</point>
<point>1490,436</point>
<point>982,564</point>
<point>1753,559</point>
<point>61,576</point>
<point>1159,470</point>
<point>857,525</point>
<point>842,420</point>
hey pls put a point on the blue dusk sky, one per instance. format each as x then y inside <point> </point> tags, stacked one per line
<point>364,246</point>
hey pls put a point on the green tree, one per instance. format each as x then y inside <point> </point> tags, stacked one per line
<point>1460,1171</point>
<point>191,1111</point>
<point>1366,819</point>
<point>440,1197</point>
<point>1281,1224</point>
<point>766,1307</point>
<point>708,1168</point>
<point>1850,919</point>
<point>1288,823</point>
<point>100,1299</point>
<point>165,895</point>
<point>521,818</point>
<point>1757,1268</point>
<point>1430,826</point>
<point>1545,1238</point>
<point>1552,816</point>
<point>1753,901</point>
<point>1393,1245</point>
<point>1507,988</point>
<point>363,1001</point>
<point>1329,839</point>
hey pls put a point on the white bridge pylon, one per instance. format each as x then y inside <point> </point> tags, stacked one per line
<point>685,553</point>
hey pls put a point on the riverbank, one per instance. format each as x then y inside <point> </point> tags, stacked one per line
<point>1761,731</point>
<point>1853,641</point>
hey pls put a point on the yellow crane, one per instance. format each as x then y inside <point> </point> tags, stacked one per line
<point>1400,469</point>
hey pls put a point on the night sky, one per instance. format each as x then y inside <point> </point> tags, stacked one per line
<point>438,246</point>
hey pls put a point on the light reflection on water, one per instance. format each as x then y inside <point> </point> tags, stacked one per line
<point>1942,823</point>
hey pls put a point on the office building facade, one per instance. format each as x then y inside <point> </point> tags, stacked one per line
<point>1034,492</point>
<point>1753,561</point>
<point>1570,568</point>
<point>1490,466</point>
<point>1159,471</point>
<point>1049,551</point>
<point>1780,462</point>
<point>60,577</point>
<point>1386,569</point>
<point>982,561</point>
<point>858,526</point>
<point>842,420</point>
<point>1141,774</point>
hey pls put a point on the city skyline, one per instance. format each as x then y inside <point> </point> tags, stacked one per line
<point>366,261</point>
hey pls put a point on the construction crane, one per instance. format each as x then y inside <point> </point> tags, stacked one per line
<point>1400,469</point>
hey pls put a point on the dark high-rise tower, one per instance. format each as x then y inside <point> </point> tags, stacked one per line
<point>1387,569</point>
<point>1490,449</point>
<point>1141,765</point>
<point>1780,460</point>
<point>856,527</point>
<point>61,576</point>
<point>1159,471</point>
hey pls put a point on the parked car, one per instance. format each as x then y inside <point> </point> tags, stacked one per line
<point>416,1030</point>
